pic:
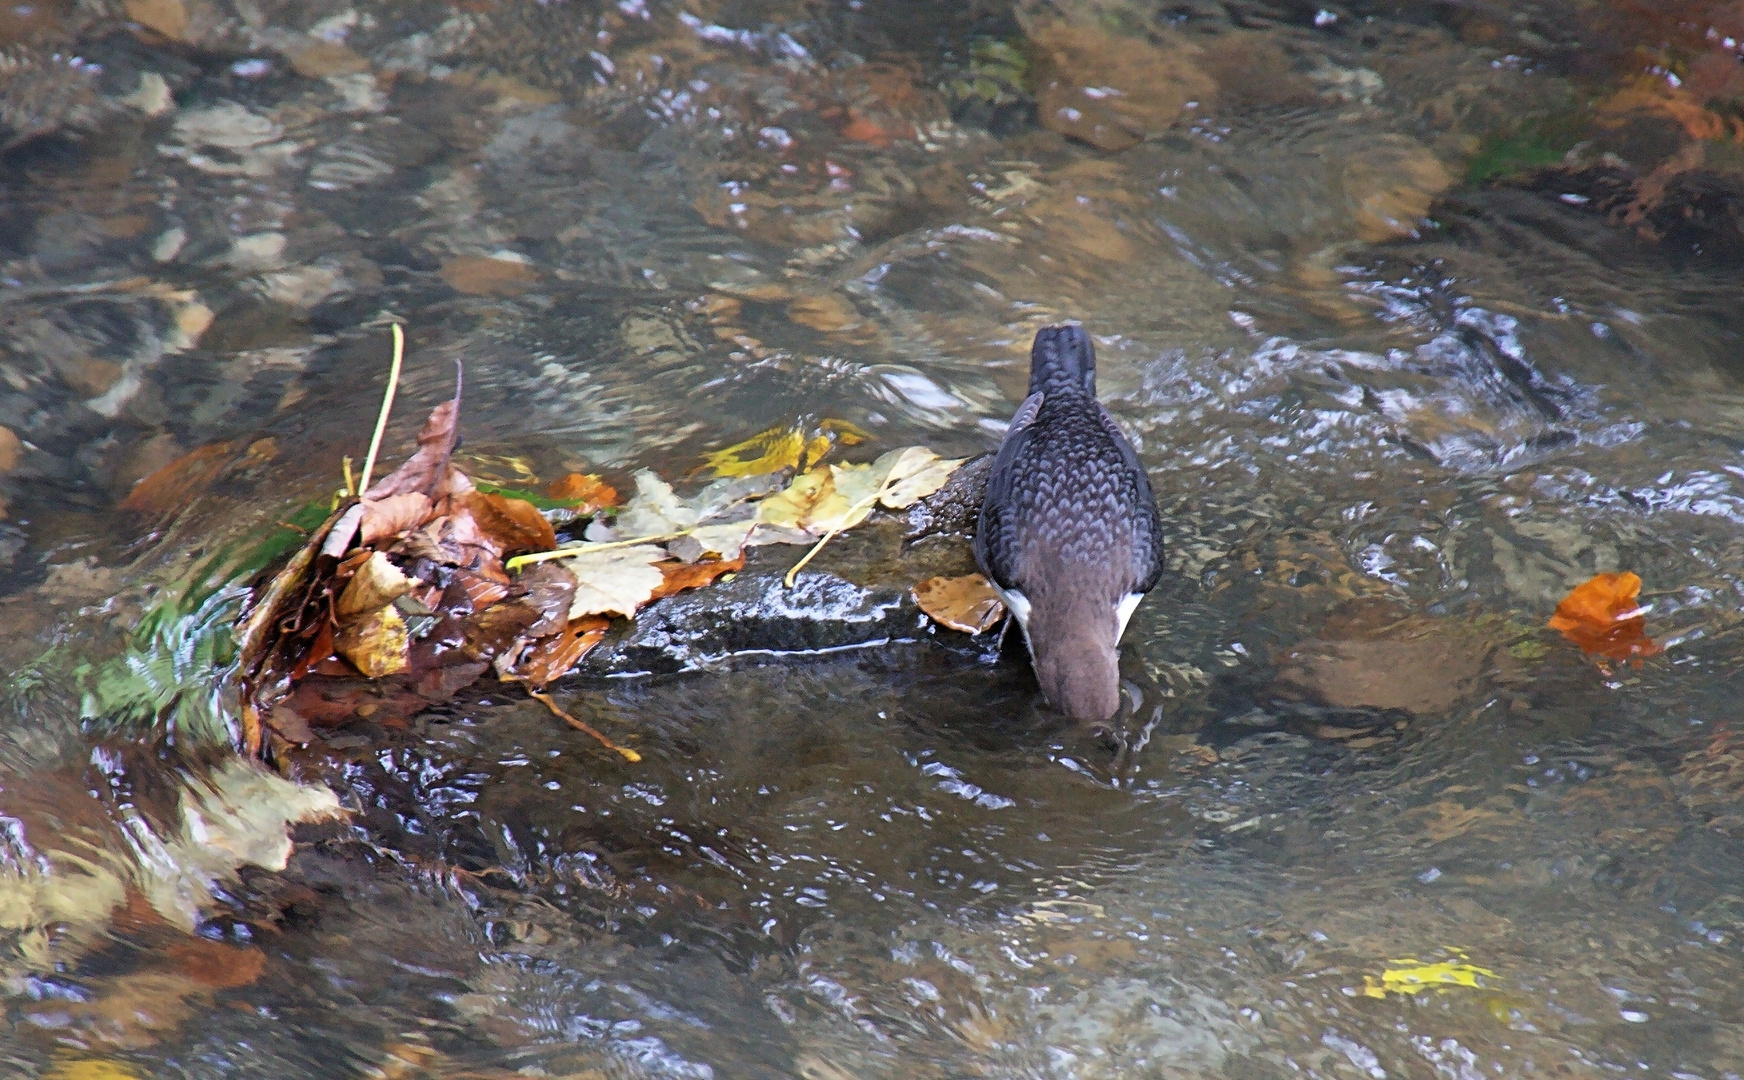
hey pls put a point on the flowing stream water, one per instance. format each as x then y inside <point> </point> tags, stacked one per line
<point>1419,314</point>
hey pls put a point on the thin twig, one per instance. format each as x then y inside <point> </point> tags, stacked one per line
<point>863,504</point>
<point>381,422</point>
<point>628,754</point>
<point>583,549</point>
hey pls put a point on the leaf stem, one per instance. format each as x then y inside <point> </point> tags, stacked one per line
<point>864,504</point>
<point>583,549</point>
<point>387,406</point>
<point>624,751</point>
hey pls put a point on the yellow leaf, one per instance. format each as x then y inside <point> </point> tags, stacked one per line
<point>793,506</point>
<point>914,473</point>
<point>376,644</point>
<point>1414,977</point>
<point>89,1069</point>
<point>765,452</point>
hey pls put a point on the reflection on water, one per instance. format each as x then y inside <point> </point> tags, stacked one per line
<point>1419,315</point>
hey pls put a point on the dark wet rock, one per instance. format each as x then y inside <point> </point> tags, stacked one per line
<point>860,598</point>
<point>953,509</point>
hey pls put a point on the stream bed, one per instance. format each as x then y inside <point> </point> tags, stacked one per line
<point>1419,314</point>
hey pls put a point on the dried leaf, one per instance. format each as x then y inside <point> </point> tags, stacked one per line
<point>768,451</point>
<point>375,644</point>
<point>1413,977</point>
<point>655,509</point>
<point>176,484</point>
<point>793,506</point>
<point>1602,617</point>
<point>555,656</point>
<point>376,583</point>
<point>966,603</point>
<point>549,590</point>
<point>586,491</point>
<point>680,576</point>
<point>725,541</point>
<point>215,964</point>
<point>615,580</point>
<point>915,473</point>
<point>426,471</point>
<point>486,275</point>
<point>394,516</point>
<point>513,525</point>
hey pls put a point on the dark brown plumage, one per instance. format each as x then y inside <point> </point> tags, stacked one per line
<point>1069,531</point>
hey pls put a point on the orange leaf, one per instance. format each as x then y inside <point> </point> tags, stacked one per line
<point>966,603</point>
<point>588,492</point>
<point>553,657</point>
<point>681,576</point>
<point>217,965</point>
<point>1601,616</point>
<point>514,525</point>
<point>175,485</point>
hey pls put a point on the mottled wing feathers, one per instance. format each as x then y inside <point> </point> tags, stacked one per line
<point>994,546</point>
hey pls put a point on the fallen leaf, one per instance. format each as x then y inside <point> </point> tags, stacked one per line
<point>1414,977</point>
<point>427,470</point>
<point>89,1069</point>
<point>487,275</point>
<point>11,450</point>
<point>792,506</point>
<point>376,583</point>
<point>394,516</point>
<point>587,492</point>
<point>914,473</point>
<point>766,452</point>
<point>656,510</point>
<point>724,541</point>
<point>513,525</point>
<point>290,724</point>
<point>375,644</point>
<point>680,576</point>
<point>555,656</point>
<point>548,589</point>
<point>167,17</point>
<point>866,130</point>
<point>966,603</point>
<point>615,580</point>
<point>175,485</point>
<point>217,965</point>
<point>1602,617</point>
<point>827,313</point>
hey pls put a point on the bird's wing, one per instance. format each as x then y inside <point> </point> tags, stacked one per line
<point>1148,525</point>
<point>991,551</point>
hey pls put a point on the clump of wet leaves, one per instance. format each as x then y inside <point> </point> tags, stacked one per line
<point>427,581</point>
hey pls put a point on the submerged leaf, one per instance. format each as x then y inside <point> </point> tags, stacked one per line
<point>1602,617</point>
<point>966,603</point>
<point>681,576</point>
<point>615,580</point>
<point>1413,977</point>
<point>553,657</point>
<point>175,485</point>
<point>768,451</point>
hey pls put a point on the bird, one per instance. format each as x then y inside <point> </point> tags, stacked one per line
<point>1069,533</point>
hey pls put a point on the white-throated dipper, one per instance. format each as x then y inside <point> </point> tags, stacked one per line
<point>1069,532</point>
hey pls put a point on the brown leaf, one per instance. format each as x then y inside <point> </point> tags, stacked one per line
<point>485,275</point>
<point>290,724</point>
<point>217,965</point>
<point>553,657</point>
<point>586,491</point>
<point>11,450</point>
<point>175,485</point>
<point>1602,617</point>
<point>680,576</point>
<point>513,525</point>
<point>549,590</point>
<point>426,471</point>
<point>966,603</point>
<point>394,515</point>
